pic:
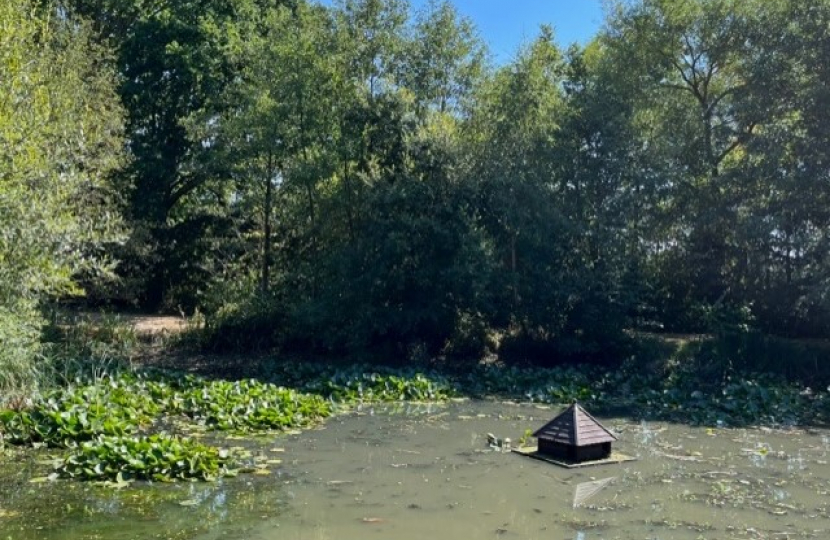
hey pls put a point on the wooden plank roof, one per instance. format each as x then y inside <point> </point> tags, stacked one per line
<point>575,427</point>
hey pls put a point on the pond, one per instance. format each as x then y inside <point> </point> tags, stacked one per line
<point>420,471</point>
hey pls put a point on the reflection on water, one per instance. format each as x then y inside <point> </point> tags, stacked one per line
<point>75,510</point>
<point>588,490</point>
<point>429,472</point>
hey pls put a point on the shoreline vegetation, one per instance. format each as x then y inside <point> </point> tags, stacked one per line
<point>114,420</point>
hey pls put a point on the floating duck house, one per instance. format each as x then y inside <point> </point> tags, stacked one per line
<point>575,436</point>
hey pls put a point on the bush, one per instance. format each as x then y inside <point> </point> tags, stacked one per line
<point>577,348</point>
<point>807,361</point>
<point>404,288</point>
<point>257,324</point>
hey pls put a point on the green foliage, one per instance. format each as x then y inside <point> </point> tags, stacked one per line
<point>123,405</point>
<point>416,271</point>
<point>443,61</point>
<point>20,347</point>
<point>716,104</point>
<point>104,423</point>
<point>105,426</point>
<point>68,416</point>
<point>362,384</point>
<point>559,385</point>
<point>249,404</point>
<point>161,458</point>
<point>804,361</point>
<point>60,136</point>
<point>174,68</point>
<point>739,402</point>
<point>254,324</point>
<point>356,180</point>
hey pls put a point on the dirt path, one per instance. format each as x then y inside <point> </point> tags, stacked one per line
<point>148,325</point>
<point>156,324</point>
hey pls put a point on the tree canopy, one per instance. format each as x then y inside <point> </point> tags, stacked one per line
<point>360,179</point>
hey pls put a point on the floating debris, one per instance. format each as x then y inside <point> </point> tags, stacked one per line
<point>587,490</point>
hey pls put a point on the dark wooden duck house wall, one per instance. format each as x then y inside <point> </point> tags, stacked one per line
<point>575,436</point>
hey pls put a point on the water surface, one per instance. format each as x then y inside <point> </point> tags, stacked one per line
<point>427,472</point>
<point>431,475</point>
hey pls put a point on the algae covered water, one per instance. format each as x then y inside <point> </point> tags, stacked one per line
<point>421,471</point>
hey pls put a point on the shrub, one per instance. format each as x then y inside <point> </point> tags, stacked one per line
<point>254,325</point>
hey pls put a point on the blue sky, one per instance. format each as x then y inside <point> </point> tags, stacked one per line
<point>505,25</point>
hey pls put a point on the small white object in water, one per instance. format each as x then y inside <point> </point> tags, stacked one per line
<point>796,463</point>
<point>586,490</point>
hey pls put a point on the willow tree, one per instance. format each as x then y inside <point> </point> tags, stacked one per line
<point>445,58</point>
<point>60,136</point>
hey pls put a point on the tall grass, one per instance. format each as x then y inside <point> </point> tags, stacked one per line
<point>21,351</point>
<point>88,347</point>
<point>37,353</point>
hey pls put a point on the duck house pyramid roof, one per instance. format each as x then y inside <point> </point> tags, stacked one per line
<point>575,427</point>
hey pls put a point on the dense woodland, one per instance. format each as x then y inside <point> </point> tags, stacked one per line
<point>363,180</point>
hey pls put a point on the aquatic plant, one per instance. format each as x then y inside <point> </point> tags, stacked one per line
<point>355,385</point>
<point>553,386</point>
<point>122,405</point>
<point>71,415</point>
<point>365,384</point>
<point>249,404</point>
<point>110,409</point>
<point>159,457</point>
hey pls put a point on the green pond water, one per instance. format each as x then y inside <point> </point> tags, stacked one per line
<point>418,472</point>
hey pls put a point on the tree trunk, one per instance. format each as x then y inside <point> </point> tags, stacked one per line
<point>266,241</point>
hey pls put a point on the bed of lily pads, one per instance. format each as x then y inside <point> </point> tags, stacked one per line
<point>159,457</point>
<point>734,401</point>
<point>116,429</point>
<point>143,425</point>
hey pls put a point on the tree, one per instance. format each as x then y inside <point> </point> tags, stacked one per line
<point>60,137</point>
<point>695,111</point>
<point>370,34</point>
<point>174,65</point>
<point>786,228</point>
<point>281,131</point>
<point>540,205</point>
<point>444,59</point>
